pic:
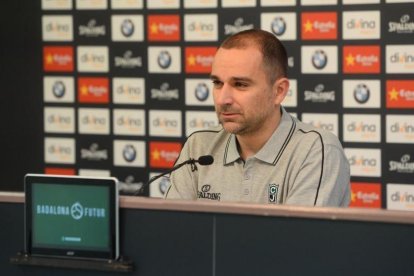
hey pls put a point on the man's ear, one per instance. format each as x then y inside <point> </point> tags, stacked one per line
<point>280,88</point>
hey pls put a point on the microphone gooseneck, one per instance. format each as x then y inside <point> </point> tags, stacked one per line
<point>203,160</point>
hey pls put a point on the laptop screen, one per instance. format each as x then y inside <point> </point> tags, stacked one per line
<point>72,216</point>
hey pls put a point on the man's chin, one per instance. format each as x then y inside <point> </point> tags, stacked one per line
<point>231,127</point>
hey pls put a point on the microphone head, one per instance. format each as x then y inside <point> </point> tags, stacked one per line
<point>205,160</point>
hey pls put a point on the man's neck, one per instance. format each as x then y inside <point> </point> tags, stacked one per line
<point>250,143</point>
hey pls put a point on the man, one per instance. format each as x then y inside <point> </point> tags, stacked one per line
<point>261,153</point>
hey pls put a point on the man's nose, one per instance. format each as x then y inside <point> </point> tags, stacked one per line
<point>224,96</point>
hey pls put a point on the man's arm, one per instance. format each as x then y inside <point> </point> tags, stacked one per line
<point>323,178</point>
<point>183,181</point>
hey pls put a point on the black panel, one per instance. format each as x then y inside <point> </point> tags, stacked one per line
<point>167,243</point>
<point>249,245</point>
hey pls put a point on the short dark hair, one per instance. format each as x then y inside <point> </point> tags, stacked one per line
<point>273,52</point>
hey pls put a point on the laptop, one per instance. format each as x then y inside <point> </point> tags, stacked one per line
<point>71,217</point>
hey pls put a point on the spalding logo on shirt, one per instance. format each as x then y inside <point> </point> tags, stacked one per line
<point>204,193</point>
<point>273,189</point>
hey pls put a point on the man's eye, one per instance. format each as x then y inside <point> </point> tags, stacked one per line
<point>217,83</point>
<point>240,84</point>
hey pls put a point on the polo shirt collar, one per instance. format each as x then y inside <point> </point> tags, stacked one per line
<point>272,149</point>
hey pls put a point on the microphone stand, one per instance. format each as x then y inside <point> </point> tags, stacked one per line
<point>152,179</point>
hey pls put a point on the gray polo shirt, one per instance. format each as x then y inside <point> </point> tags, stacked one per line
<point>298,165</point>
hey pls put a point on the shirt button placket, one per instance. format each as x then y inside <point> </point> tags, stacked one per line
<point>247,182</point>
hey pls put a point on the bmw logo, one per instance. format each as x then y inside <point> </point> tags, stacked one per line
<point>164,59</point>
<point>129,153</point>
<point>59,89</point>
<point>361,93</point>
<point>319,59</point>
<point>127,27</point>
<point>278,26</point>
<point>164,184</point>
<point>202,92</point>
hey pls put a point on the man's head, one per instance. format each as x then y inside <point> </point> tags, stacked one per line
<point>249,77</point>
<point>274,56</point>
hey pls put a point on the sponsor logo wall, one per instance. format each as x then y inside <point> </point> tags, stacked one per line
<point>126,81</point>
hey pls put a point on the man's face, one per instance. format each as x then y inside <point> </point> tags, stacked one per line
<point>243,97</point>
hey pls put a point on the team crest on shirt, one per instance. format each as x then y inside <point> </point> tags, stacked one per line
<point>206,194</point>
<point>272,192</point>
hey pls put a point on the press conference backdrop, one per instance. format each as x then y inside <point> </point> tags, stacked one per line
<point>123,82</point>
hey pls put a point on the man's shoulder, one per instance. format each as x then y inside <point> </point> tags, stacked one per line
<point>207,141</point>
<point>207,134</point>
<point>313,133</point>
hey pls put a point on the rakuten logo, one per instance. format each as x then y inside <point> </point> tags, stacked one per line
<point>366,195</point>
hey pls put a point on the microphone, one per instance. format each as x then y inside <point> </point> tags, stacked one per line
<point>203,160</point>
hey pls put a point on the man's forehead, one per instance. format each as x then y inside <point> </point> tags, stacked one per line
<point>236,60</point>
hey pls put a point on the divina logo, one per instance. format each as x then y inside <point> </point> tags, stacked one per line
<point>402,167</point>
<point>200,27</point>
<point>59,150</point>
<point>237,27</point>
<point>129,122</point>
<point>361,24</point>
<point>322,125</point>
<point>402,128</point>
<point>402,197</point>
<point>361,161</point>
<point>402,58</point>
<point>128,90</point>
<point>164,122</point>
<point>201,123</point>
<point>361,127</point>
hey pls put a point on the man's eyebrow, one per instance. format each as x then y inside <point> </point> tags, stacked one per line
<point>214,77</point>
<point>242,79</point>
